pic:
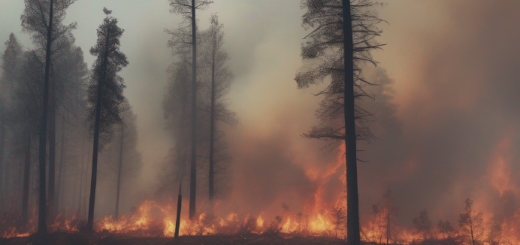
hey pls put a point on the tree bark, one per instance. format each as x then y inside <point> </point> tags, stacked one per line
<point>119,171</point>
<point>42,212</point>
<point>26,182</point>
<point>90,222</point>
<point>193,175</point>
<point>353,236</point>
<point>212,131</point>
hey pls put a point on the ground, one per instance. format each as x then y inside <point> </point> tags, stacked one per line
<point>111,239</point>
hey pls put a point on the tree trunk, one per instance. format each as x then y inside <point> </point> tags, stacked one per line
<point>353,236</point>
<point>90,222</point>
<point>193,176</point>
<point>62,165</point>
<point>212,133</point>
<point>42,225</point>
<point>80,191</point>
<point>119,171</point>
<point>178,219</point>
<point>26,182</point>
<point>52,152</point>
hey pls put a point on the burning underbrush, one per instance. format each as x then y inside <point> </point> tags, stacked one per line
<point>152,219</point>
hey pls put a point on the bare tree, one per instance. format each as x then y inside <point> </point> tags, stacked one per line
<point>105,94</point>
<point>188,9</point>
<point>343,34</point>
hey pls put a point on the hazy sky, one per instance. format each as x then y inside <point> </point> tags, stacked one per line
<point>454,75</point>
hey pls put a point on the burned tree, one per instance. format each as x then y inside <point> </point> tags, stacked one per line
<point>105,94</point>
<point>42,18</point>
<point>188,9</point>
<point>343,34</point>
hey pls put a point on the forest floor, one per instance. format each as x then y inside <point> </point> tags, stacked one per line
<point>63,238</point>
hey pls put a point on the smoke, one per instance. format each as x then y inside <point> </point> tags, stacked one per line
<point>459,120</point>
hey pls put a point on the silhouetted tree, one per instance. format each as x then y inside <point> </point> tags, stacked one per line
<point>11,58</point>
<point>341,40</point>
<point>445,228</point>
<point>42,18</point>
<point>221,78</point>
<point>120,159</point>
<point>423,224</point>
<point>28,92</point>
<point>188,9</point>
<point>471,224</point>
<point>389,211</point>
<point>105,94</point>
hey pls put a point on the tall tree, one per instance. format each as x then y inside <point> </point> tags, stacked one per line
<point>341,39</point>
<point>28,103</point>
<point>221,78</point>
<point>43,19</point>
<point>105,94</point>
<point>10,63</point>
<point>188,9</point>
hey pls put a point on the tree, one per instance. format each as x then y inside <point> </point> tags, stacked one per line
<point>10,63</point>
<point>120,160</point>
<point>471,224</point>
<point>423,224</point>
<point>221,78</point>
<point>445,228</point>
<point>43,19</point>
<point>341,40</point>
<point>188,11</point>
<point>105,94</point>
<point>27,92</point>
<point>389,211</point>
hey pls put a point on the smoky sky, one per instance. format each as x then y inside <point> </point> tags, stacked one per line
<point>453,66</point>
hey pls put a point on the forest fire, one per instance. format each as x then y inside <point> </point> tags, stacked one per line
<point>260,122</point>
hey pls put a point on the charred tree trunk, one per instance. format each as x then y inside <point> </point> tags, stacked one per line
<point>353,236</point>
<point>62,165</point>
<point>119,170</point>
<point>52,152</point>
<point>178,219</point>
<point>193,175</point>
<point>26,182</point>
<point>212,133</point>
<point>90,222</point>
<point>42,210</point>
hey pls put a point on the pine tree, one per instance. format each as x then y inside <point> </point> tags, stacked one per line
<point>105,94</point>
<point>221,78</point>
<point>43,19</point>
<point>10,63</point>
<point>341,39</point>
<point>188,9</point>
